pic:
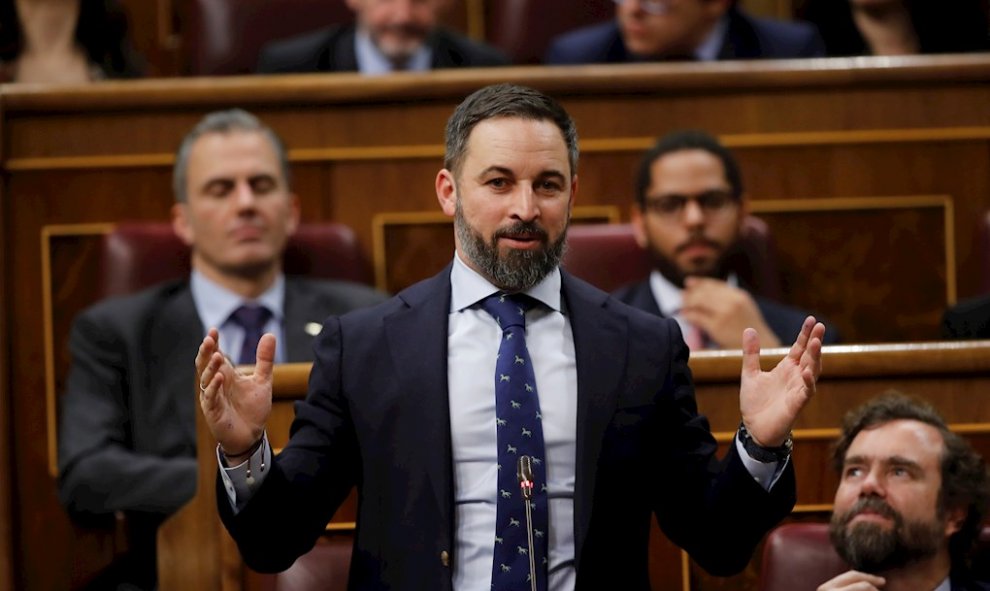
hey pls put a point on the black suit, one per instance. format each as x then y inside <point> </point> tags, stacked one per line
<point>127,439</point>
<point>969,319</point>
<point>784,321</point>
<point>332,50</point>
<point>377,416</point>
<point>746,37</point>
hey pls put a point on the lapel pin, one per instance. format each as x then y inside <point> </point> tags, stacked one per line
<point>313,328</point>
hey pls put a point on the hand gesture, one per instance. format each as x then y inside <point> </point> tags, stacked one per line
<point>770,401</point>
<point>853,580</point>
<point>723,312</point>
<point>236,406</point>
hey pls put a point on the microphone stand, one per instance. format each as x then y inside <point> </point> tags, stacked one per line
<point>524,471</point>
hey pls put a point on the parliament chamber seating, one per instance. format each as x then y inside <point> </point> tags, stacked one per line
<point>800,557</point>
<point>523,28</point>
<point>139,254</point>
<point>226,36</point>
<point>607,256</point>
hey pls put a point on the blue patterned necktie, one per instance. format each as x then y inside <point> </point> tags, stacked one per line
<point>252,319</point>
<point>520,432</point>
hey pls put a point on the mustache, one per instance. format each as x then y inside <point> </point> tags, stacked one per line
<point>527,229</point>
<point>873,505</point>
<point>697,241</point>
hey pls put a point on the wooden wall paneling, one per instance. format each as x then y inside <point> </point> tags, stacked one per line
<point>7,437</point>
<point>851,259</point>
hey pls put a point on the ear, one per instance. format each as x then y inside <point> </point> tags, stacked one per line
<point>446,192</point>
<point>181,224</point>
<point>954,519</point>
<point>638,224</point>
<point>574,190</point>
<point>292,224</point>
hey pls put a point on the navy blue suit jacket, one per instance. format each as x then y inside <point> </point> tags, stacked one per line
<point>377,416</point>
<point>784,321</point>
<point>746,37</point>
<point>332,50</point>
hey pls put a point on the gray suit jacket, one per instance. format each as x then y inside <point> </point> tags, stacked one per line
<point>127,439</point>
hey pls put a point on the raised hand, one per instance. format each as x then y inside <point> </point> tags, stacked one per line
<point>236,406</point>
<point>771,400</point>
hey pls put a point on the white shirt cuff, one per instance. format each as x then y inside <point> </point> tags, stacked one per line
<point>766,475</point>
<point>242,480</point>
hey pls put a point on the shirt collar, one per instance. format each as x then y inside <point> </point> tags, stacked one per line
<point>372,61</point>
<point>468,287</point>
<point>669,297</point>
<point>215,303</point>
<point>709,49</point>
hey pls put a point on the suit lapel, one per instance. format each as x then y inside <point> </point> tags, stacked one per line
<point>342,56</point>
<point>600,343</point>
<point>641,296</point>
<point>417,342</point>
<point>177,334</point>
<point>300,308</point>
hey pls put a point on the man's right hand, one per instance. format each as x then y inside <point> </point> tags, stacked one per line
<point>236,406</point>
<point>854,580</point>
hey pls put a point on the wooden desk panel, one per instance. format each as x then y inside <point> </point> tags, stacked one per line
<point>885,128</point>
<point>954,376</point>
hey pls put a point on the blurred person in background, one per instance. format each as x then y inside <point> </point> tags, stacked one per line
<point>899,27</point>
<point>389,36</point>
<point>64,42</point>
<point>691,30</point>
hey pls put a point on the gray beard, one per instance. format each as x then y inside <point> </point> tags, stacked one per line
<point>517,270</point>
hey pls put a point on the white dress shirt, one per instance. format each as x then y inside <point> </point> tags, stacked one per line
<point>215,304</point>
<point>372,62</point>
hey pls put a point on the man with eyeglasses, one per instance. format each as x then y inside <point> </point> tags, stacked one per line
<point>702,30</point>
<point>689,212</point>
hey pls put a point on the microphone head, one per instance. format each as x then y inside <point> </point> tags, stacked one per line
<point>524,469</point>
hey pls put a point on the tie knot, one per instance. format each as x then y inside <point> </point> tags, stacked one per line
<point>251,318</point>
<point>508,309</point>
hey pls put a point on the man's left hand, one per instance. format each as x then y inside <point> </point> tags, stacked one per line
<point>770,401</point>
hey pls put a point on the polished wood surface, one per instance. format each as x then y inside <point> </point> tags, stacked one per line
<point>888,131</point>
<point>954,376</point>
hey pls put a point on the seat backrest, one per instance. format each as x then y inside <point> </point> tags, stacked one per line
<point>136,255</point>
<point>798,557</point>
<point>225,36</point>
<point>607,256</point>
<point>324,568</point>
<point>523,28</point>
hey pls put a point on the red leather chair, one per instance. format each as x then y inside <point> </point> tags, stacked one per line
<point>324,568</point>
<point>139,254</point>
<point>225,36</point>
<point>607,256</point>
<point>524,28</point>
<point>800,557</point>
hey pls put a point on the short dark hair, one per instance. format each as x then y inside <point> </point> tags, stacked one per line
<point>688,139</point>
<point>964,474</point>
<point>505,100</point>
<point>224,122</point>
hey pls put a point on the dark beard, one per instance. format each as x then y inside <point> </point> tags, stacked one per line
<point>673,273</point>
<point>873,549</point>
<point>517,270</point>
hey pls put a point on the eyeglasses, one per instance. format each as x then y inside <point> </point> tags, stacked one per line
<point>672,206</point>
<point>656,7</point>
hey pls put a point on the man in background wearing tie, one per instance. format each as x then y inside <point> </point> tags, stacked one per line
<point>689,212</point>
<point>127,431</point>
<point>427,403</point>
<point>389,36</point>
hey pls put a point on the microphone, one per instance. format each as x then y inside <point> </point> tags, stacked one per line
<point>524,471</point>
